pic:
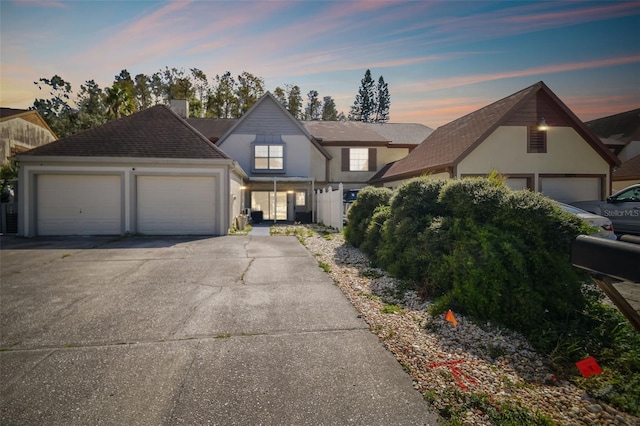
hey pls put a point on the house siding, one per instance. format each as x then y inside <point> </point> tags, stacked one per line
<point>21,134</point>
<point>268,119</point>
<point>382,156</point>
<point>506,151</point>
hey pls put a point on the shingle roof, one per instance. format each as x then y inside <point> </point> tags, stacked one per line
<point>8,112</point>
<point>342,132</point>
<point>212,128</point>
<point>629,170</point>
<point>401,133</point>
<point>623,127</point>
<point>449,144</point>
<point>155,132</point>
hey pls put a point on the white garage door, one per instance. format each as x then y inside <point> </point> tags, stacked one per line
<point>176,205</point>
<point>517,184</point>
<point>570,189</point>
<point>79,205</point>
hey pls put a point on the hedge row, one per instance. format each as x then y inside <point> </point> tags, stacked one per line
<point>475,246</point>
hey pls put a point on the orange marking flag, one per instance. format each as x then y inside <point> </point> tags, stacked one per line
<point>588,367</point>
<point>449,317</point>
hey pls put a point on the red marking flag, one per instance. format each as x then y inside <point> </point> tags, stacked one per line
<point>449,317</point>
<point>588,367</point>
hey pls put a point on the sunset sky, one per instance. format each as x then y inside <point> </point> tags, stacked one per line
<point>441,60</point>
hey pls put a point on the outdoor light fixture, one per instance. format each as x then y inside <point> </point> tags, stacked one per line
<point>542,126</point>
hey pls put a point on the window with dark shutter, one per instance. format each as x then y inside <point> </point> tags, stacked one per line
<point>372,160</point>
<point>345,159</point>
<point>537,140</point>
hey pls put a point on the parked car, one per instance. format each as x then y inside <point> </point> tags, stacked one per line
<point>604,225</point>
<point>623,208</point>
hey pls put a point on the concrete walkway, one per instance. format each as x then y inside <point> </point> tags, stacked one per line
<point>164,331</point>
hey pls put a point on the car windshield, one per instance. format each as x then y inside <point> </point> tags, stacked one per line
<point>629,194</point>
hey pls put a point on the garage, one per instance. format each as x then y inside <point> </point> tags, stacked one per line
<point>176,205</point>
<point>570,189</point>
<point>79,204</point>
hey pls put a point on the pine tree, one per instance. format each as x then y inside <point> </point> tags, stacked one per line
<point>313,111</point>
<point>329,111</point>
<point>281,96</point>
<point>384,101</point>
<point>365,104</point>
<point>294,101</point>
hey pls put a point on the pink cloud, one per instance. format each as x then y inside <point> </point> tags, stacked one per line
<point>447,83</point>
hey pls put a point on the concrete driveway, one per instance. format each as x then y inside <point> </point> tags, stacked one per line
<point>149,331</point>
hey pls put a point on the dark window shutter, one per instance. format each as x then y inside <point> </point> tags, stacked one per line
<point>373,160</point>
<point>537,141</point>
<point>345,159</point>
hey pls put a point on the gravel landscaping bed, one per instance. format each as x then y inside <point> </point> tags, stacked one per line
<point>452,365</point>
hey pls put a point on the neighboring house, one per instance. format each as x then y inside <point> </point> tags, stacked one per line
<point>531,137</point>
<point>359,150</point>
<point>148,173</point>
<point>21,130</point>
<point>287,160</point>
<point>621,133</point>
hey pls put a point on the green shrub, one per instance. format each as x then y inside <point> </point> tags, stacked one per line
<point>405,245</point>
<point>361,212</point>
<point>373,234</point>
<point>473,198</point>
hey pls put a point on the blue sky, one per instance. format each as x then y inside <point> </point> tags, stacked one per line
<point>441,60</point>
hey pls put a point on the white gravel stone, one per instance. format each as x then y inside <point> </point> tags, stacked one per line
<point>488,360</point>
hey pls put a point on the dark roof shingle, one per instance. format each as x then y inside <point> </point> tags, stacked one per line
<point>155,132</point>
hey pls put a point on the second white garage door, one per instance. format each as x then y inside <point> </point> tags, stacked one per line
<point>176,205</point>
<point>570,189</point>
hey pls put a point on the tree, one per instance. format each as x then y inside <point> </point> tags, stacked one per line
<point>313,109</point>
<point>143,92</point>
<point>294,101</point>
<point>201,89</point>
<point>125,82</point>
<point>281,96</point>
<point>329,111</point>
<point>222,99</point>
<point>383,103</point>
<point>157,90</point>
<point>364,108</point>
<point>372,102</point>
<point>118,101</point>
<point>56,110</point>
<point>250,89</point>
<point>91,106</point>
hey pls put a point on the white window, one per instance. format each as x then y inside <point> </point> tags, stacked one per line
<point>268,157</point>
<point>358,159</point>
<point>301,198</point>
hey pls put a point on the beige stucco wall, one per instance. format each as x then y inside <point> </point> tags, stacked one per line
<point>506,151</point>
<point>318,165</point>
<point>355,179</point>
<point>21,133</point>
<point>618,185</point>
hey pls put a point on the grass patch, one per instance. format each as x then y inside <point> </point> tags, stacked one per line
<point>325,267</point>
<point>223,336</point>
<point>391,309</point>
<point>66,255</point>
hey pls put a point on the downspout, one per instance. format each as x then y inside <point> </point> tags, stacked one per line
<point>275,201</point>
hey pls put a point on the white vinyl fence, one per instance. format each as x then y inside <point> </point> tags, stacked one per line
<point>329,207</point>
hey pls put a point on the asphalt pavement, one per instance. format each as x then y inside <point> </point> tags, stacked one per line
<point>163,331</point>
